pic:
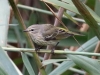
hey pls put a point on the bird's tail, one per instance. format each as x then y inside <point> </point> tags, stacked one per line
<point>75,33</point>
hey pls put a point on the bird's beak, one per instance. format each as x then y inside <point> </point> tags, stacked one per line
<point>25,30</point>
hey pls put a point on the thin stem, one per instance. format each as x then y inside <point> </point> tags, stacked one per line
<point>56,16</point>
<point>49,51</point>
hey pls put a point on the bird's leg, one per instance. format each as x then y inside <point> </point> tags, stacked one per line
<point>37,47</point>
<point>51,38</point>
<point>52,51</point>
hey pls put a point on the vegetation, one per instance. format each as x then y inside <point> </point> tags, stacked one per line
<point>74,55</point>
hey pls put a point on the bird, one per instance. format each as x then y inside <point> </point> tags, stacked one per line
<point>48,34</point>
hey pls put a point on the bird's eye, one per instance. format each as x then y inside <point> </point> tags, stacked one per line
<point>32,29</point>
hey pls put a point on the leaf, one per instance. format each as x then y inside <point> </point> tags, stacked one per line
<point>92,66</point>
<point>62,68</point>
<point>88,17</point>
<point>27,64</point>
<point>88,46</point>
<point>89,33</point>
<point>46,62</point>
<point>2,71</point>
<point>6,64</point>
<point>70,6</point>
<point>49,68</point>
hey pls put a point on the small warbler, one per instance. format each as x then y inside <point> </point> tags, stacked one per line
<point>47,34</point>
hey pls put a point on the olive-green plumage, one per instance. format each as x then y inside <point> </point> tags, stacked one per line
<point>47,34</point>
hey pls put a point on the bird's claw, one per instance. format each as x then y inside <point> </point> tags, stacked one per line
<point>37,49</point>
<point>52,51</point>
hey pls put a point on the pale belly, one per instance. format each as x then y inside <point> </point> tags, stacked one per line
<point>43,42</point>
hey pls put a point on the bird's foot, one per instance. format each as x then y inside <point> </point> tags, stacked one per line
<point>52,51</point>
<point>37,49</point>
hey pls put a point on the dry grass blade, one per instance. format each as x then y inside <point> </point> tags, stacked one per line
<point>56,16</point>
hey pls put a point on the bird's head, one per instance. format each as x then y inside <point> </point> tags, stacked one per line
<point>33,29</point>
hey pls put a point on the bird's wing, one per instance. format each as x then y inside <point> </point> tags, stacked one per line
<point>49,32</point>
